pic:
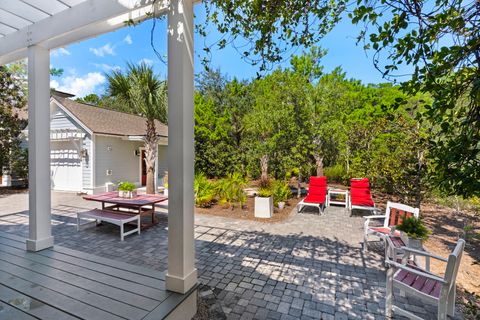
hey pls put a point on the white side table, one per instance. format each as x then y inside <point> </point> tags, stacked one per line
<point>343,202</point>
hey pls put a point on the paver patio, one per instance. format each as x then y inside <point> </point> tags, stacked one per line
<point>308,267</point>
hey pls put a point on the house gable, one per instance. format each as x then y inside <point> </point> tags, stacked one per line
<point>62,123</point>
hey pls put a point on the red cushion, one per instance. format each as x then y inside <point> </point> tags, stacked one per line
<point>317,190</point>
<point>360,193</point>
<point>360,183</point>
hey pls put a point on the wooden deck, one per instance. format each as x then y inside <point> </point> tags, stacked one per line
<point>61,283</point>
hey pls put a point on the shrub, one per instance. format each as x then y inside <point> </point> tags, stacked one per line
<point>414,228</point>
<point>230,190</point>
<point>336,173</point>
<point>204,191</point>
<point>126,186</point>
<point>264,192</point>
<point>280,191</point>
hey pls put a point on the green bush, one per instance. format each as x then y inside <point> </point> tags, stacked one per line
<point>336,173</point>
<point>264,192</point>
<point>126,186</point>
<point>230,190</point>
<point>204,191</point>
<point>280,191</point>
<point>414,228</point>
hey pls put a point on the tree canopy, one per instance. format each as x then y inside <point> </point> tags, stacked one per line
<point>438,40</point>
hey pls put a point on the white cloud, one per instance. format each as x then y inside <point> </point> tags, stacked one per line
<point>147,61</point>
<point>103,50</point>
<point>128,39</point>
<point>54,84</point>
<point>79,86</point>
<point>61,52</point>
<point>106,67</point>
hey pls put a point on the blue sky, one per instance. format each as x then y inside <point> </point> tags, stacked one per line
<point>85,63</point>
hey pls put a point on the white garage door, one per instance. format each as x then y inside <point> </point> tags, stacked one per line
<point>65,166</point>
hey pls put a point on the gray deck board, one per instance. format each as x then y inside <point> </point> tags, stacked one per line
<point>60,283</point>
<point>122,274</point>
<point>83,283</point>
<point>9,312</point>
<point>55,299</point>
<point>117,264</point>
<point>31,306</point>
<point>95,300</point>
<point>107,269</point>
<point>127,286</point>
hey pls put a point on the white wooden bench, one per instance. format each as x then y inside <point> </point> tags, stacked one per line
<point>118,219</point>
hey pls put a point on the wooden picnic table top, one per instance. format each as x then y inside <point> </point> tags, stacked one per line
<point>139,200</point>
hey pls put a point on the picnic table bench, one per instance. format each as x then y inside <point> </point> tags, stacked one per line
<point>118,219</point>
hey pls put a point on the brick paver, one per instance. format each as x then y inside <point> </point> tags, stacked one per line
<point>308,267</point>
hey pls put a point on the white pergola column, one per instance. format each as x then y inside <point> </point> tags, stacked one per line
<point>40,231</point>
<point>181,275</point>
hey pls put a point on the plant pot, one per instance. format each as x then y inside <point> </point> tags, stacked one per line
<point>411,242</point>
<point>127,194</point>
<point>263,207</point>
<point>281,205</point>
<point>165,192</point>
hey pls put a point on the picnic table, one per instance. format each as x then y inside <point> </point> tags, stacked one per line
<point>143,205</point>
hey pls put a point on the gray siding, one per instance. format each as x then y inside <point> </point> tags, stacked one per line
<point>60,120</point>
<point>87,163</point>
<point>162,164</point>
<point>112,153</point>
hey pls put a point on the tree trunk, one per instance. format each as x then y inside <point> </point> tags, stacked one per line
<point>264,170</point>
<point>151,147</point>
<point>319,164</point>
<point>299,183</point>
<point>418,179</point>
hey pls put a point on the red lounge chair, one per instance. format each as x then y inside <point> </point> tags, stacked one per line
<point>360,196</point>
<point>317,194</point>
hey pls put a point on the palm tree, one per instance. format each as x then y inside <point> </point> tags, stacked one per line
<point>139,89</point>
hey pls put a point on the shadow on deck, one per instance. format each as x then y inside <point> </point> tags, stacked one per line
<point>60,283</point>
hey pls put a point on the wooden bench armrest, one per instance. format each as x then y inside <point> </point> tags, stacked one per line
<point>419,272</point>
<point>423,253</point>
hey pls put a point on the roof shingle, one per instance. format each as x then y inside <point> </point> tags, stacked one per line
<point>106,121</point>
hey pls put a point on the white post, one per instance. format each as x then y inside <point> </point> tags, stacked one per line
<point>181,275</point>
<point>40,234</point>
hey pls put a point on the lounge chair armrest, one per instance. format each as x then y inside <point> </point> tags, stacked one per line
<point>423,253</point>
<point>419,272</point>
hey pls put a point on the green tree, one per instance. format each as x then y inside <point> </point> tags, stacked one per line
<point>215,153</point>
<point>12,99</point>
<point>146,95</point>
<point>439,41</point>
<point>91,99</point>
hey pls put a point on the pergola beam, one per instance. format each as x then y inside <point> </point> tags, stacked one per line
<point>88,19</point>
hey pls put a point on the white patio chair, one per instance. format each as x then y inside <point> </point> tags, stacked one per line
<point>424,285</point>
<point>392,217</point>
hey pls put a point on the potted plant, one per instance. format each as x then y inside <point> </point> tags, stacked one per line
<point>413,232</point>
<point>127,190</point>
<point>281,192</point>
<point>264,203</point>
<point>165,183</point>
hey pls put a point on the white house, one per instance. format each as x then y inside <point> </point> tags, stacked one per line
<point>92,147</point>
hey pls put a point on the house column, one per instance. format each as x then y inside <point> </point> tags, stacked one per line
<point>40,231</point>
<point>181,275</point>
